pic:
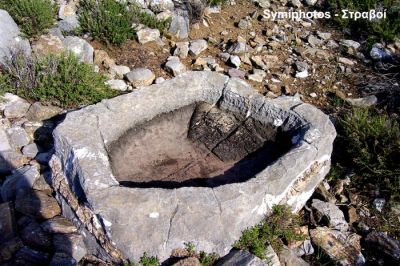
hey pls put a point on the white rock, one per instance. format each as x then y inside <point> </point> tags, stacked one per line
<point>346,61</point>
<point>182,49</point>
<point>4,142</point>
<point>161,5</point>
<point>148,35</point>
<point>197,47</point>
<point>258,75</point>
<point>350,44</point>
<point>329,210</point>
<point>10,37</point>
<point>363,102</point>
<point>174,66</point>
<point>16,109</point>
<point>119,71</point>
<point>30,150</point>
<point>379,203</point>
<point>81,48</point>
<point>140,77</point>
<point>310,2</point>
<point>302,74</point>
<point>17,136</point>
<point>235,60</point>
<point>117,84</point>
<point>159,80</point>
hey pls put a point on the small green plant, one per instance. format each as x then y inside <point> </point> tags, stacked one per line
<point>376,29</point>
<point>62,81</point>
<point>111,21</point>
<point>216,2</point>
<point>147,260</point>
<point>149,20</point>
<point>33,17</point>
<point>372,140</point>
<point>280,226</point>
<point>208,259</point>
<point>190,248</point>
<point>107,20</point>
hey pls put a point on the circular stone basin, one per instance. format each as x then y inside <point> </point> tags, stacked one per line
<point>195,145</point>
<point>198,158</point>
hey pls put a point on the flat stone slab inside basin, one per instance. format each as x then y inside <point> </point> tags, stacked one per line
<point>198,158</point>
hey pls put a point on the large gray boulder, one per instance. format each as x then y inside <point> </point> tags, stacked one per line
<point>10,37</point>
<point>179,26</point>
<point>157,220</point>
<point>81,48</point>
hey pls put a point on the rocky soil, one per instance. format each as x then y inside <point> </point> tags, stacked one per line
<point>277,57</point>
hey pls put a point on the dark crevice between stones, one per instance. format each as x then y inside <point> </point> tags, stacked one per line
<point>196,145</point>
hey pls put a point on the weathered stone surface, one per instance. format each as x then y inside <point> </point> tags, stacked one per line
<point>363,102</point>
<point>9,247</point>
<point>15,107</point>
<point>30,150</point>
<point>148,35</point>
<point>197,47</point>
<point>101,57</point>
<point>48,44</point>
<point>40,112</point>
<point>330,211</point>
<point>62,259</point>
<point>18,137</point>
<point>179,26</point>
<point>69,24</point>
<point>288,257</point>
<point>11,160</point>
<point>342,247</point>
<point>139,77</point>
<point>41,183</point>
<point>137,220</point>
<point>7,222</point>
<point>71,244</point>
<point>271,256</point>
<point>10,38</point>
<point>34,236</point>
<point>59,225</point>
<point>29,256</point>
<point>117,84</point>
<point>182,49</point>
<point>241,257</point>
<point>4,142</point>
<point>174,66</point>
<point>384,243</point>
<point>118,71</point>
<point>81,48</point>
<point>161,5</point>
<point>22,178</point>
<point>38,205</point>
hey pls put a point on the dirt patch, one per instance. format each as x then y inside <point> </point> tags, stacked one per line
<point>197,145</point>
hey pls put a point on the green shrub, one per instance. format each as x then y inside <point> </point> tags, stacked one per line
<point>148,20</point>
<point>62,81</point>
<point>216,2</point>
<point>208,259</point>
<point>33,17</point>
<point>205,259</point>
<point>372,140</point>
<point>383,29</point>
<point>147,260</point>
<point>279,226</point>
<point>108,20</point>
<point>111,21</point>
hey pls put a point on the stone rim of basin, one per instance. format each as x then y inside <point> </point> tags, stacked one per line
<point>157,220</point>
